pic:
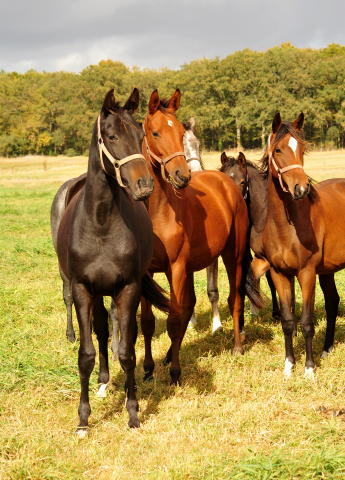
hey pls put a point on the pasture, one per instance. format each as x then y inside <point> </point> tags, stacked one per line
<point>233,417</point>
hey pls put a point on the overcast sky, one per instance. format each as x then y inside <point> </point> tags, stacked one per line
<point>72,34</point>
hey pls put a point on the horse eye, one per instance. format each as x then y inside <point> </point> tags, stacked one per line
<point>278,150</point>
<point>155,134</point>
<point>111,137</point>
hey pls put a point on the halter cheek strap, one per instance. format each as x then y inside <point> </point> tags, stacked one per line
<point>193,158</point>
<point>280,171</point>
<point>162,161</point>
<point>114,161</point>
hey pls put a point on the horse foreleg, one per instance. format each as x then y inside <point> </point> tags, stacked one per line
<point>330,293</point>
<point>127,304</point>
<point>115,322</point>
<point>259,267</point>
<point>87,353</point>
<point>307,280</point>
<point>148,329</point>
<point>183,299</point>
<point>100,324</point>
<point>213,295</point>
<point>288,320</point>
<point>68,299</point>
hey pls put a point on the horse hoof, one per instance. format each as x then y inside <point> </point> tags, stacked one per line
<point>309,373</point>
<point>219,328</point>
<point>70,338</point>
<point>324,354</point>
<point>288,368</point>
<point>134,423</point>
<point>238,350</point>
<point>102,390</point>
<point>82,432</point>
<point>148,376</point>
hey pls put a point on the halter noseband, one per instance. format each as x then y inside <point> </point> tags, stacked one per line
<point>114,161</point>
<point>193,158</point>
<point>162,161</point>
<point>280,171</point>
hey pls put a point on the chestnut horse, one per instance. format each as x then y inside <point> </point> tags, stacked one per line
<point>303,236</point>
<point>192,227</point>
<point>105,243</point>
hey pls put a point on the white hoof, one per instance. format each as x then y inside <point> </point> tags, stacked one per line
<point>253,310</point>
<point>102,391</point>
<point>324,354</point>
<point>288,368</point>
<point>217,325</point>
<point>309,373</point>
<point>82,432</point>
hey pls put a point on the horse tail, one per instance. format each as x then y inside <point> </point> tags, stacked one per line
<point>154,294</point>
<point>250,285</point>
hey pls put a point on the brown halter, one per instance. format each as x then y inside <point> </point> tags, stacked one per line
<point>162,161</point>
<point>114,161</point>
<point>280,171</point>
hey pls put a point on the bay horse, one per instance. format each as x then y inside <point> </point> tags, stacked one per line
<point>104,245</point>
<point>195,219</point>
<point>303,236</point>
<point>191,147</point>
<point>252,184</point>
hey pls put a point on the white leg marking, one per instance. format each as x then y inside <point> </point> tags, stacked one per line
<point>82,432</point>
<point>288,368</point>
<point>324,354</point>
<point>192,320</point>
<point>253,309</point>
<point>102,391</point>
<point>309,373</point>
<point>217,324</point>
<point>293,145</point>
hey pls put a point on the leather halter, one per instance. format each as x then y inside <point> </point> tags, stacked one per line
<point>114,161</point>
<point>280,171</point>
<point>193,158</point>
<point>162,161</point>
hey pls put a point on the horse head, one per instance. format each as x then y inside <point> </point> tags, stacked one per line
<point>164,137</point>
<point>191,145</point>
<point>120,140</point>
<point>236,169</point>
<point>285,156</point>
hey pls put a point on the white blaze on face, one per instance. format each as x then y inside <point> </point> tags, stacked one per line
<point>293,145</point>
<point>190,145</point>
<point>170,123</point>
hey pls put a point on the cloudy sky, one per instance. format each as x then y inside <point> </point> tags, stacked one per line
<point>71,34</point>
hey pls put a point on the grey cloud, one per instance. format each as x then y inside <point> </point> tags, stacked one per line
<point>72,34</point>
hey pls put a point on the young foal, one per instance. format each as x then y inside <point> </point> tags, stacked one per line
<point>191,146</point>
<point>192,228</point>
<point>105,245</point>
<point>303,235</point>
<point>253,186</point>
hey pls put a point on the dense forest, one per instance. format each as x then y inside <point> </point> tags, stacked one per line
<point>233,99</point>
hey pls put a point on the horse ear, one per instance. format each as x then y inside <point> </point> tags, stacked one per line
<point>175,100</point>
<point>192,122</point>
<point>223,158</point>
<point>132,103</point>
<point>277,121</point>
<point>154,102</point>
<point>241,159</point>
<point>298,123</point>
<point>109,102</point>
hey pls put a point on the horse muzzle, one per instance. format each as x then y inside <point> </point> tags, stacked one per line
<point>180,181</point>
<point>300,191</point>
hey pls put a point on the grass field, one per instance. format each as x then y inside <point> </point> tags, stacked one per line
<point>232,418</point>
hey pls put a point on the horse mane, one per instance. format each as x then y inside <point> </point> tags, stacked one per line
<point>231,161</point>
<point>163,106</point>
<point>284,129</point>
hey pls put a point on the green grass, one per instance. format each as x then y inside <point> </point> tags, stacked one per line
<point>232,418</point>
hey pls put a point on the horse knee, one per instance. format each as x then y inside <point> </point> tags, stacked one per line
<point>307,327</point>
<point>127,360</point>
<point>86,361</point>
<point>288,325</point>
<point>213,295</point>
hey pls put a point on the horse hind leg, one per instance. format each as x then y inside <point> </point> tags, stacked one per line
<point>68,299</point>
<point>116,330</point>
<point>100,325</point>
<point>332,299</point>
<point>213,295</point>
<point>148,329</point>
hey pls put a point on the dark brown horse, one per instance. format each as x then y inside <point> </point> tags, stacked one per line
<point>105,244</point>
<point>192,227</point>
<point>303,235</point>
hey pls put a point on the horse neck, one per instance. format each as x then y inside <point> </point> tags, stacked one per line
<point>102,195</point>
<point>257,198</point>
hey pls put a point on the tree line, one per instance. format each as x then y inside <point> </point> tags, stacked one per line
<point>233,99</point>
